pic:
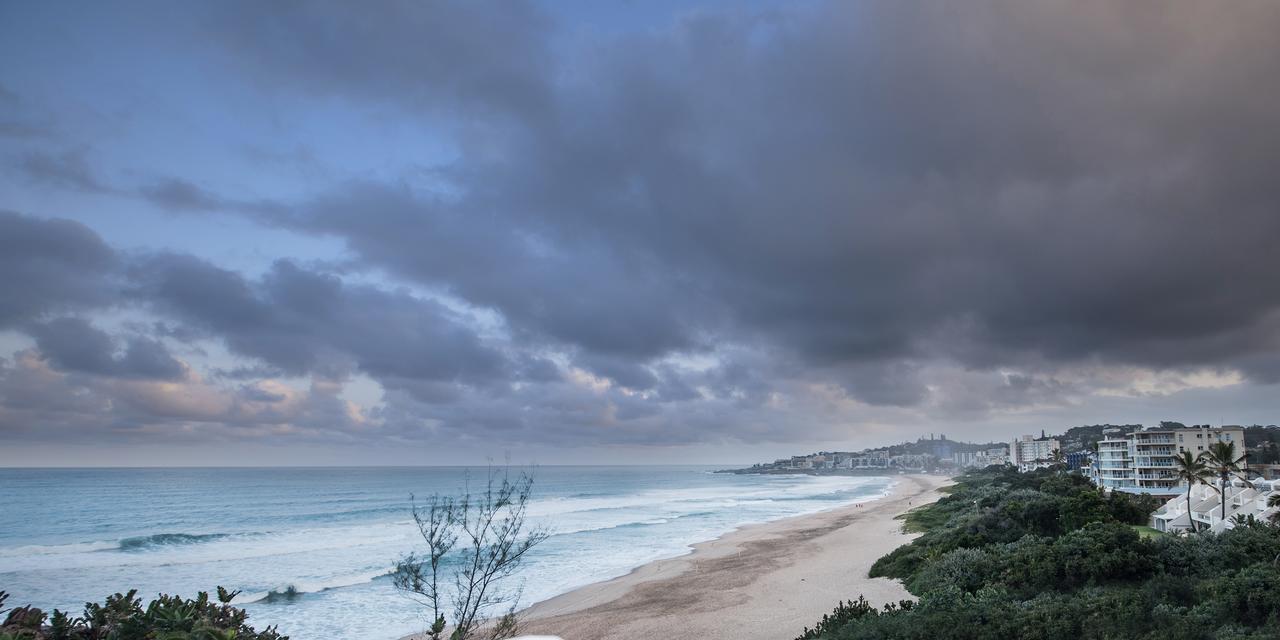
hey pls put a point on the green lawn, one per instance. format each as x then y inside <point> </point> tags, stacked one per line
<point>1146,532</point>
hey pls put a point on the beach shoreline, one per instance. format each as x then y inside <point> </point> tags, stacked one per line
<point>765,580</point>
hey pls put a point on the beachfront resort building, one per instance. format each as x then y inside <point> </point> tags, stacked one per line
<point>1142,461</point>
<point>1244,499</point>
<point>1028,452</point>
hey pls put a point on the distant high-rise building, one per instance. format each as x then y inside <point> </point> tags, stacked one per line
<point>1029,452</point>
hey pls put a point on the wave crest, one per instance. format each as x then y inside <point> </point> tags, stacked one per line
<point>142,543</point>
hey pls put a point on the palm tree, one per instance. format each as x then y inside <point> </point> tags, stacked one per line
<point>1191,470</point>
<point>1274,501</point>
<point>1222,461</point>
<point>1057,460</point>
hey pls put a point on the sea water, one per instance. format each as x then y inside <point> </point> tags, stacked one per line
<point>311,550</point>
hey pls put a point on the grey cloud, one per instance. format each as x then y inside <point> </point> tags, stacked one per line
<point>895,383</point>
<point>148,358</point>
<point>177,195</point>
<point>74,345</point>
<point>70,170</point>
<point>538,369</point>
<point>624,372</point>
<point>20,120</point>
<point>51,266</point>
<point>674,386</point>
<point>247,372</point>
<point>853,183</point>
<point>181,195</point>
<point>482,54</point>
<point>256,393</point>
<point>926,210</point>
<point>306,322</point>
<point>39,403</point>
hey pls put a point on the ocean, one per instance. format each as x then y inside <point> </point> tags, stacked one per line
<point>329,537</point>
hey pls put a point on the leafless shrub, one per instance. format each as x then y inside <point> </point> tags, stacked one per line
<point>484,538</point>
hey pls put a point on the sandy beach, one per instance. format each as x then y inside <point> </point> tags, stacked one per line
<point>762,581</point>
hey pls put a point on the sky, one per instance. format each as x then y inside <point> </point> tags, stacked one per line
<point>323,233</point>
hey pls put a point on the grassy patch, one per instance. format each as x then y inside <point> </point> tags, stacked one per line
<point>1146,532</point>
<point>922,519</point>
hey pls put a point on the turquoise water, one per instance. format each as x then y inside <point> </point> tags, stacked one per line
<point>332,535</point>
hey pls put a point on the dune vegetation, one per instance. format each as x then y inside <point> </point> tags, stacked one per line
<point>1046,556</point>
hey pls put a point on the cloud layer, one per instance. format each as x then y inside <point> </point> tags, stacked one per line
<point>798,223</point>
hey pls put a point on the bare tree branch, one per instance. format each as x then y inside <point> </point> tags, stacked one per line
<point>491,526</point>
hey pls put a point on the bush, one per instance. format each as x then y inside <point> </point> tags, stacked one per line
<point>122,617</point>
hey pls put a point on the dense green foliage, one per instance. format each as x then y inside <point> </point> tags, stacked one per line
<point>122,617</point>
<point>1045,556</point>
<point>1083,437</point>
<point>1263,444</point>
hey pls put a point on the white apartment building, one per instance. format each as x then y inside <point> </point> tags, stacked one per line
<point>877,460</point>
<point>1243,499</point>
<point>911,460</point>
<point>1114,466</point>
<point>1142,461</point>
<point>1029,453</point>
<point>980,459</point>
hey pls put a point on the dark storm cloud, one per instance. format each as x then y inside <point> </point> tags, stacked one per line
<point>51,266</point>
<point>306,322</point>
<point>736,226</point>
<point>589,297</point>
<point>865,185</point>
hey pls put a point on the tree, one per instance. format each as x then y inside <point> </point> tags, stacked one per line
<point>1222,461</point>
<point>1274,501</point>
<point>486,540</point>
<point>1058,459</point>
<point>1191,470</point>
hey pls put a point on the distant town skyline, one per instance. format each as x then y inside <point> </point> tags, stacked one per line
<point>630,232</point>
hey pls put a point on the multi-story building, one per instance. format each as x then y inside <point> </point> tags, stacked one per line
<point>1077,460</point>
<point>1142,461</point>
<point>1114,465</point>
<point>873,460</point>
<point>1028,452</point>
<point>911,460</point>
<point>800,462</point>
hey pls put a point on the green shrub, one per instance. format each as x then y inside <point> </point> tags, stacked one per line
<point>122,617</point>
